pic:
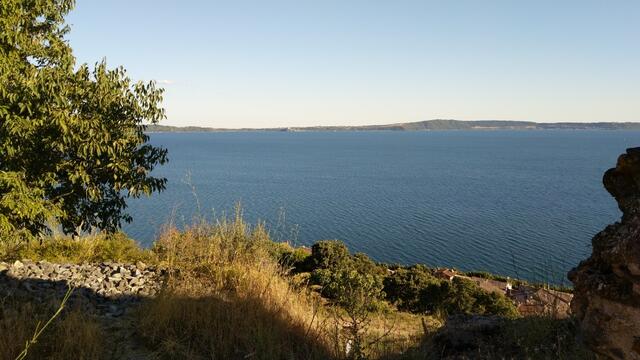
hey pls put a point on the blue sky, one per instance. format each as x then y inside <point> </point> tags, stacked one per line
<point>299,63</point>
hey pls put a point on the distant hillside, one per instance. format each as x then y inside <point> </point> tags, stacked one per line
<point>428,125</point>
<point>165,128</point>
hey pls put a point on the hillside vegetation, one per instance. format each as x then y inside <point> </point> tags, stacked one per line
<point>232,293</point>
<point>428,125</point>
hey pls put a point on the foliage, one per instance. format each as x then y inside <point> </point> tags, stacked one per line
<point>327,254</point>
<point>72,141</point>
<point>22,209</point>
<point>352,289</point>
<point>357,294</point>
<point>354,283</point>
<point>228,297</point>
<point>289,257</point>
<point>404,285</point>
<point>333,267</point>
<point>461,296</point>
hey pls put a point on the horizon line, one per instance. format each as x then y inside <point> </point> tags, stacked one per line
<point>393,124</point>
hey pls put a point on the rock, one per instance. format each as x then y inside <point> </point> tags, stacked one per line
<point>116,276</point>
<point>97,286</point>
<point>36,272</point>
<point>141,266</point>
<point>606,297</point>
<point>122,285</point>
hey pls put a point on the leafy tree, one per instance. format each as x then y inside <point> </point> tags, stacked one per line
<point>357,294</point>
<point>403,287</point>
<point>461,296</point>
<point>330,259</point>
<point>365,265</point>
<point>354,283</point>
<point>72,141</point>
<point>327,254</point>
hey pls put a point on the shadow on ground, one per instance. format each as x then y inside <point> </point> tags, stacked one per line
<point>94,326</point>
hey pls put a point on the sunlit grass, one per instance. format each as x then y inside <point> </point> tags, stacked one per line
<point>230,295</point>
<point>90,248</point>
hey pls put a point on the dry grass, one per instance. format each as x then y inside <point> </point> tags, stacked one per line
<point>228,299</point>
<point>72,333</point>
<point>391,334</point>
<point>90,248</point>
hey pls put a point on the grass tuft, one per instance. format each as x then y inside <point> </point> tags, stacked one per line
<point>229,298</point>
<point>91,248</point>
<point>73,332</point>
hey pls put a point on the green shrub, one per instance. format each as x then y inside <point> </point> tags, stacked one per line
<point>358,294</point>
<point>327,254</point>
<point>404,285</point>
<point>330,263</point>
<point>288,256</point>
<point>462,296</point>
<point>365,265</point>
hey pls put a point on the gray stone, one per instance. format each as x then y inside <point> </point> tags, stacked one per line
<point>97,286</point>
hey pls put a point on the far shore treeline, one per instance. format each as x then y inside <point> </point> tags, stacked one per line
<point>427,125</point>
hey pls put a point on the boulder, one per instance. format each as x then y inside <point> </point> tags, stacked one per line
<point>607,285</point>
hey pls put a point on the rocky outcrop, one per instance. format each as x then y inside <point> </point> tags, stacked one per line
<point>607,284</point>
<point>105,289</point>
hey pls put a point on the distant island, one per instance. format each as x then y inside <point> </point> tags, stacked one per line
<point>427,125</point>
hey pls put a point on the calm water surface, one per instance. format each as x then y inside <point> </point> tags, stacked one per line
<point>521,203</point>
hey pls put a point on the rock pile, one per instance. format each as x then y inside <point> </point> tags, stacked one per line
<point>607,284</point>
<point>105,288</point>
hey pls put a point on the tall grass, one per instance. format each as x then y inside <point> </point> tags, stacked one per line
<point>73,333</point>
<point>90,248</point>
<point>228,298</point>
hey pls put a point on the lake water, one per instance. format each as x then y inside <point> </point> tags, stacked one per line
<point>519,203</point>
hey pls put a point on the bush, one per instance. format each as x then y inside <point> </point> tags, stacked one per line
<point>327,254</point>
<point>289,257</point>
<point>367,266</point>
<point>331,263</point>
<point>462,296</point>
<point>403,287</point>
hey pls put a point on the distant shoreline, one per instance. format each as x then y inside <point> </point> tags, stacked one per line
<point>428,125</point>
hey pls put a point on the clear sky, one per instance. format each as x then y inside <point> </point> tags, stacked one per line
<point>345,62</point>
